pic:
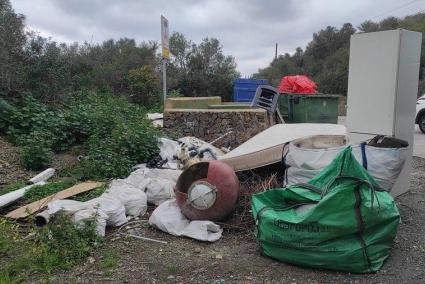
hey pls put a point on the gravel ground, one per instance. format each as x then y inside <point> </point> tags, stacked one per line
<point>236,259</point>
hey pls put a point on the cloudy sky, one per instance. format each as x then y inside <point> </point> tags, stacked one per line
<point>247,29</point>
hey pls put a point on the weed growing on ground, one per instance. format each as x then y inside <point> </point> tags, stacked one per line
<point>109,261</point>
<point>64,244</point>
<point>173,269</point>
<point>12,187</point>
<point>40,191</point>
<point>88,195</point>
<point>60,244</point>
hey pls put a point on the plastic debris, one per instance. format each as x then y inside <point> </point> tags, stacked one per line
<point>168,218</point>
<point>298,84</point>
<point>157,119</point>
<point>113,208</point>
<point>133,198</point>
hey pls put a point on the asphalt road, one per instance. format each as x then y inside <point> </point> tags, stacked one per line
<point>419,143</point>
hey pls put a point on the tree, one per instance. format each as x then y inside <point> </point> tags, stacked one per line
<point>368,26</point>
<point>389,23</point>
<point>12,41</point>
<point>144,85</point>
<point>325,60</point>
<point>201,70</point>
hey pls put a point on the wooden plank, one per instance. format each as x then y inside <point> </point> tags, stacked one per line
<point>31,208</point>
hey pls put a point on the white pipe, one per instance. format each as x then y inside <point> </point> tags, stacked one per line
<point>43,176</point>
<point>42,218</point>
<point>10,197</point>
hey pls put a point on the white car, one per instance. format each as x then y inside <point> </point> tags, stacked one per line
<point>420,113</point>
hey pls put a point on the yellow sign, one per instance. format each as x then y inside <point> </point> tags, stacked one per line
<point>165,53</point>
<point>165,38</point>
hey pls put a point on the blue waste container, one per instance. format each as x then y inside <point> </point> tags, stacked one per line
<point>244,89</point>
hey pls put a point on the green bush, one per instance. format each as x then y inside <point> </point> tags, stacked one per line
<point>113,156</point>
<point>115,133</point>
<point>175,94</point>
<point>101,161</point>
<point>36,153</point>
<point>63,243</point>
<point>136,140</point>
<point>144,85</point>
<point>59,244</point>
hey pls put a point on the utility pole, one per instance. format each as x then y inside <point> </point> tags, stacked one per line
<point>275,52</point>
<point>164,78</point>
<point>165,53</point>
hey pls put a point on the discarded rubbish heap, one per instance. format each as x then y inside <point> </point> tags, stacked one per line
<point>341,219</point>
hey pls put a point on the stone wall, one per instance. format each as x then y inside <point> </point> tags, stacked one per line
<point>209,124</point>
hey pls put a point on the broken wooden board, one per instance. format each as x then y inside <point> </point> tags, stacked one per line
<point>266,147</point>
<point>31,208</point>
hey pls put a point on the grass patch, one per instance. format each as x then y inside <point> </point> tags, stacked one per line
<point>12,187</point>
<point>40,191</point>
<point>173,269</point>
<point>109,260</point>
<point>88,195</point>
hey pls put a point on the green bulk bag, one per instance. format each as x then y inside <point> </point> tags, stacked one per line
<point>340,220</point>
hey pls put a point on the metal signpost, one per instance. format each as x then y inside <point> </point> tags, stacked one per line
<point>165,53</point>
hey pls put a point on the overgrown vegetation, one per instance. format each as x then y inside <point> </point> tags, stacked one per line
<point>114,133</point>
<point>325,59</point>
<point>40,191</point>
<point>54,97</point>
<point>60,244</point>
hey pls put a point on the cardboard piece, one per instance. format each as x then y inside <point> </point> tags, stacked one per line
<point>31,208</point>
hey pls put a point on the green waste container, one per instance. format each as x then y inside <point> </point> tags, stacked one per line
<point>309,108</point>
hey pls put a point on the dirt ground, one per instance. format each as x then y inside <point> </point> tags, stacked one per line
<point>236,258</point>
<point>11,169</point>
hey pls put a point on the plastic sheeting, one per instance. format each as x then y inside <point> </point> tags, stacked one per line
<point>168,218</point>
<point>134,199</point>
<point>168,150</point>
<point>81,212</point>
<point>157,183</point>
<point>156,118</point>
<point>111,207</point>
<point>298,84</point>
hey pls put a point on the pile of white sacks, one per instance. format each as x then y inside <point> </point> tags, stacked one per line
<point>127,198</point>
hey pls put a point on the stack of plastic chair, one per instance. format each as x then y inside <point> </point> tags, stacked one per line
<point>266,97</point>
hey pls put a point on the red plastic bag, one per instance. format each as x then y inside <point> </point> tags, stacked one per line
<point>298,84</point>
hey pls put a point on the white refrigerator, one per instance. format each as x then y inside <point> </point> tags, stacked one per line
<point>382,89</point>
